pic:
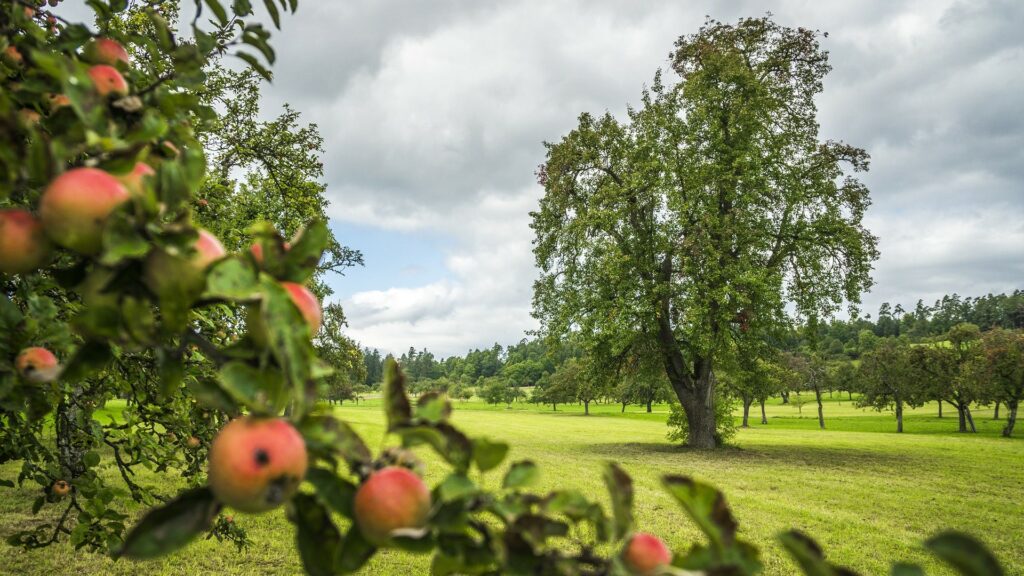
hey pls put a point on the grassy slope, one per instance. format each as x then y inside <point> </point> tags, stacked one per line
<point>866,493</point>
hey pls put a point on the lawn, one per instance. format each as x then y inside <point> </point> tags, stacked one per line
<point>867,493</point>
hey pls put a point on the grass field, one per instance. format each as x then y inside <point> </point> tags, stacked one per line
<point>866,493</point>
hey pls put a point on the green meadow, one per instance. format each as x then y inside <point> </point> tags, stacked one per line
<point>866,493</point>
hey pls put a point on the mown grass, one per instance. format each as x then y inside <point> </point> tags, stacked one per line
<point>868,494</point>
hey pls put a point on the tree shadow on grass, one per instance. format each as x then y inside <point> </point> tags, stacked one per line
<point>792,455</point>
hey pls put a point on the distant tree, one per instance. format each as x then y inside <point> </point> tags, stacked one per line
<point>705,213</point>
<point>810,374</point>
<point>341,353</point>
<point>494,390</point>
<point>888,381</point>
<point>944,368</point>
<point>999,371</point>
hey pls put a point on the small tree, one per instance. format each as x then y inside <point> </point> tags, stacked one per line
<point>887,380</point>
<point>999,371</point>
<point>810,373</point>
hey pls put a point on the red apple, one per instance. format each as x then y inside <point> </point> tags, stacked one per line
<point>256,464</point>
<point>75,206</point>
<point>37,365</point>
<point>107,80</point>
<point>12,57</point>
<point>167,273</point>
<point>391,499</point>
<point>24,246</point>
<point>105,51</point>
<point>134,181</point>
<point>644,554</point>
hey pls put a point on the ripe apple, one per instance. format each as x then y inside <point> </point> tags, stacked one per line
<point>24,246</point>
<point>75,207</point>
<point>28,117</point>
<point>107,80</point>
<point>37,365</point>
<point>167,273</point>
<point>645,553</point>
<point>256,463</point>
<point>390,499</point>
<point>58,101</point>
<point>134,181</point>
<point>105,51</point>
<point>61,488</point>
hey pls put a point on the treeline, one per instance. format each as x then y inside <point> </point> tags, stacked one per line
<point>959,352</point>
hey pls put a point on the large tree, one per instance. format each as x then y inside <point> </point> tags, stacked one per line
<point>887,380</point>
<point>706,211</point>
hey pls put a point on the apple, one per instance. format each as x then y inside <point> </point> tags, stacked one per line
<point>61,488</point>
<point>390,499</point>
<point>644,554</point>
<point>304,300</point>
<point>105,51</point>
<point>37,364</point>
<point>108,81</point>
<point>75,206</point>
<point>257,251</point>
<point>256,464</point>
<point>167,273</point>
<point>134,181</point>
<point>12,57</point>
<point>24,246</point>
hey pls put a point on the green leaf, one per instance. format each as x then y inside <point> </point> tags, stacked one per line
<point>289,340</point>
<point>90,357</point>
<point>211,395</point>
<point>965,553</point>
<point>488,455</point>
<point>231,279</point>
<point>274,15</point>
<point>620,488</point>
<point>255,65</point>
<point>433,407</point>
<point>167,528</point>
<point>808,555</point>
<point>331,436</point>
<point>91,459</point>
<point>903,569</point>
<point>318,538</point>
<point>263,391</point>
<point>218,11</point>
<point>707,507</point>
<point>520,475</point>
<point>396,402</point>
<point>455,487</point>
<point>354,552</point>
<point>335,492</point>
<point>452,445</point>
<point>301,260</point>
<point>171,369</point>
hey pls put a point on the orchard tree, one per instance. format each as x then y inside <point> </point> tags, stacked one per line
<point>810,373</point>
<point>887,379</point>
<point>755,379</point>
<point>708,209</point>
<point>945,369</point>
<point>999,371</point>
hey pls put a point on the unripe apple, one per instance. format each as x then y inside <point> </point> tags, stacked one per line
<point>133,181</point>
<point>61,488</point>
<point>105,51</point>
<point>75,207</point>
<point>645,553</point>
<point>37,365</point>
<point>24,246</point>
<point>256,463</point>
<point>107,80</point>
<point>391,499</point>
<point>183,274</point>
<point>12,57</point>
<point>28,117</point>
<point>58,101</point>
<point>193,442</point>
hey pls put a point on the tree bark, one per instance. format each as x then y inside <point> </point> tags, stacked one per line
<point>785,397</point>
<point>821,413</point>
<point>72,440</point>
<point>746,412</point>
<point>623,407</point>
<point>940,408</point>
<point>764,418</point>
<point>899,415</point>
<point>970,419</point>
<point>962,416</point>
<point>554,407</point>
<point>995,416</point>
<point>649,402</point>
<point>1011,419</point>
<point>586,407</point>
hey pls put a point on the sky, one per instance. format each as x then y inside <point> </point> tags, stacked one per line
<point>434,114</point>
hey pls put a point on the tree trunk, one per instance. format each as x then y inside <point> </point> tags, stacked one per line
<point>1011,418</point>
<point>72,439</point>
<point>821,413</point>
<point>764,418</point>
<point>746,413</point>
<point>623,407</point>
<point>785,397</point>
<point>586,407</point>
<point>970,419</point>
<point>850,394</point>
<point>995,416</point>
<point>899,415</point>
<point>649,402</point>
<point>940,408</point>
<point>554,407</point>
